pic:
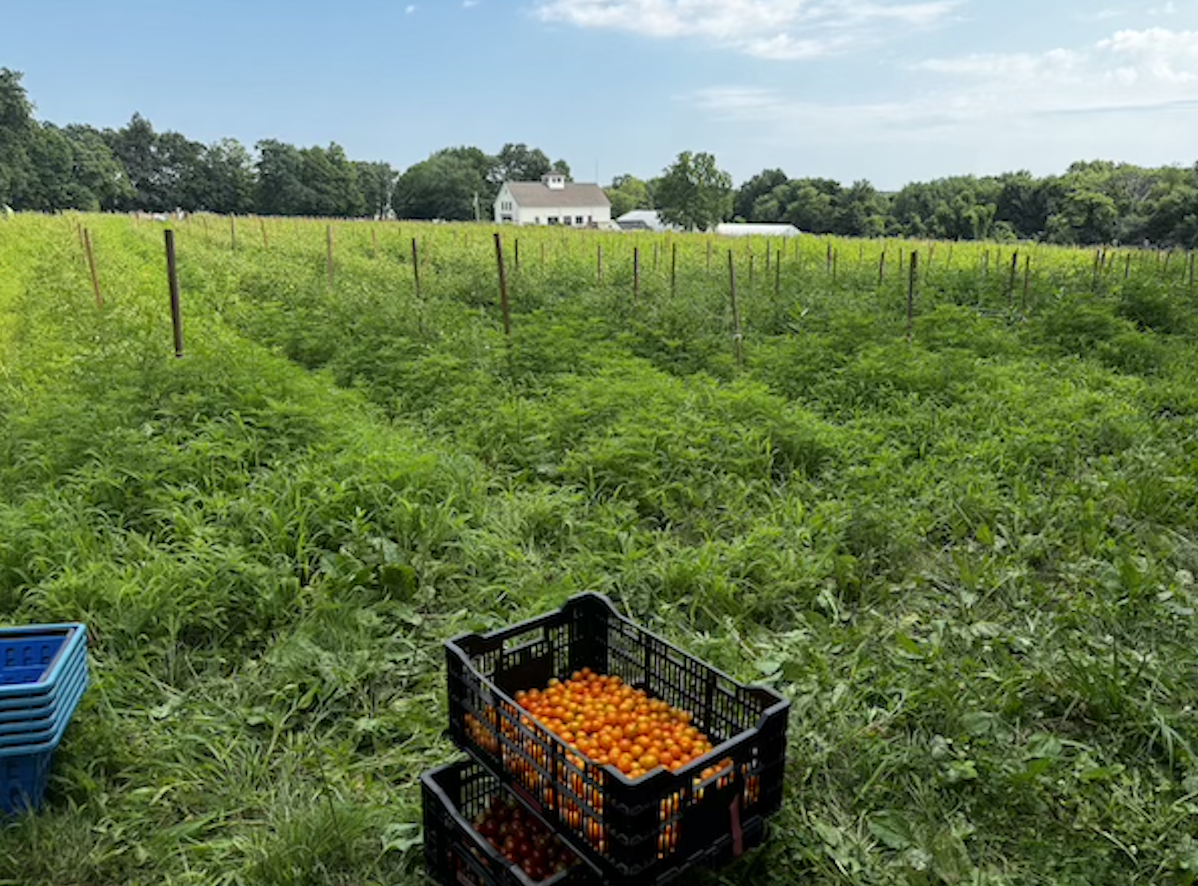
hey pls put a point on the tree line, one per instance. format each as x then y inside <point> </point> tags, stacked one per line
<point>1091,203</point>
<point>45,167</point>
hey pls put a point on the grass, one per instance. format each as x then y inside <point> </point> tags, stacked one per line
<point>968,560</point>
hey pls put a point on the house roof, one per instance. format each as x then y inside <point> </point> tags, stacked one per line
<point>749,229</point>
<point>644,219</point>
<point>536,194</point>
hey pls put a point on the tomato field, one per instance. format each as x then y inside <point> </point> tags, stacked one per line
<point>951,514</point>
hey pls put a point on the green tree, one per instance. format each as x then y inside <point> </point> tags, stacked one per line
<point>861,211</point>
<point>228,178</point>
<point>694,193</point>
<point>1174,221</point>
<point>17,132</point>
<point>179,177</point>
<point>810,204</point>
<point>280,187</point>
<point>519,163</point>
<point>136,146</point>
<point>627,193</point>
<point>1025,203</point>
<point>443,186</point>
<point>750,192</point>
<point>164,169</point>
<point>377,181</point>
<point>99,177</point>
<point>1085,217</point>
<point>330,183</point>
<point>51,163</point>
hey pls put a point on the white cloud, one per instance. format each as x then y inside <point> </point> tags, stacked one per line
<point>1131,68</point>
<point>771,29</point>
<point>1081,97</point>
<point>408,10</point>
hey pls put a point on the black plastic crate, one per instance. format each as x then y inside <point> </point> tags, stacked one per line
<point>455,853</point>
<point>662,824</point>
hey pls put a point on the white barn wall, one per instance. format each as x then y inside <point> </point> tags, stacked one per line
<point>534,215</point>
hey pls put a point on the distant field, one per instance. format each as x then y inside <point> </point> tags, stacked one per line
<point>964,544</point>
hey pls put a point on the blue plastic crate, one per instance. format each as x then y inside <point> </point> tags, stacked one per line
<point>23,781</point>
<point>37,729</point>
<point>33,657</point>
<point>47,705</point>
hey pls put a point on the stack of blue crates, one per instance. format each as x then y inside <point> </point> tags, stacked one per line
<point>43,672</point>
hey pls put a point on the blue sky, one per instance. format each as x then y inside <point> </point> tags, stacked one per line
<point>887,90</point>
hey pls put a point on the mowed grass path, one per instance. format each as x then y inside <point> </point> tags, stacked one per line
<point>968,560</point>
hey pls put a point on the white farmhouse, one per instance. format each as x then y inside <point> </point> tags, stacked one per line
<point>553,201</point>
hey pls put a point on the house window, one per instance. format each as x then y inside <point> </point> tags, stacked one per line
<point>578,220</point>
<point>567,219</point>
<point>553,219</point>
<point>537,220</point>
<point>590,219</point>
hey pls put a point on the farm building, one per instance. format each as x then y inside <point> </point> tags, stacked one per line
<point>644,220</point>
<point>745,229</point>
<point>552,201</point>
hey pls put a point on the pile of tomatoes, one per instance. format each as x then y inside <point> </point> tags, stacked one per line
<point>522,839</point>
<point>610,722</point>
<point>604,721</point>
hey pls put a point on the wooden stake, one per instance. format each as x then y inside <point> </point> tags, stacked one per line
<point>1011,282</point>
<point>599,263</point>
<point>1027,274</point>
<point>416,265</point>
<point>736,336</point>
<point>911,296</point>
<point>1127,267</point>
<point>329,253</point>
<point>374,242</point>
<point>265,239</point>
<point>882,267</point>
<point>516,255</point>
<point>91,264</point>
<point>709,255</point>
<point>503,303</point>
<point>751,258</point>
<point>829,256</point>
<point>173,281</point>
<point>778,274</point>
<point>233,233</point>
<point>673,269</point>
<point>768,244</point>
<point>636,275</point>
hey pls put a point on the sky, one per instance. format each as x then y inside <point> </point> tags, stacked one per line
<point>886,90</point>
